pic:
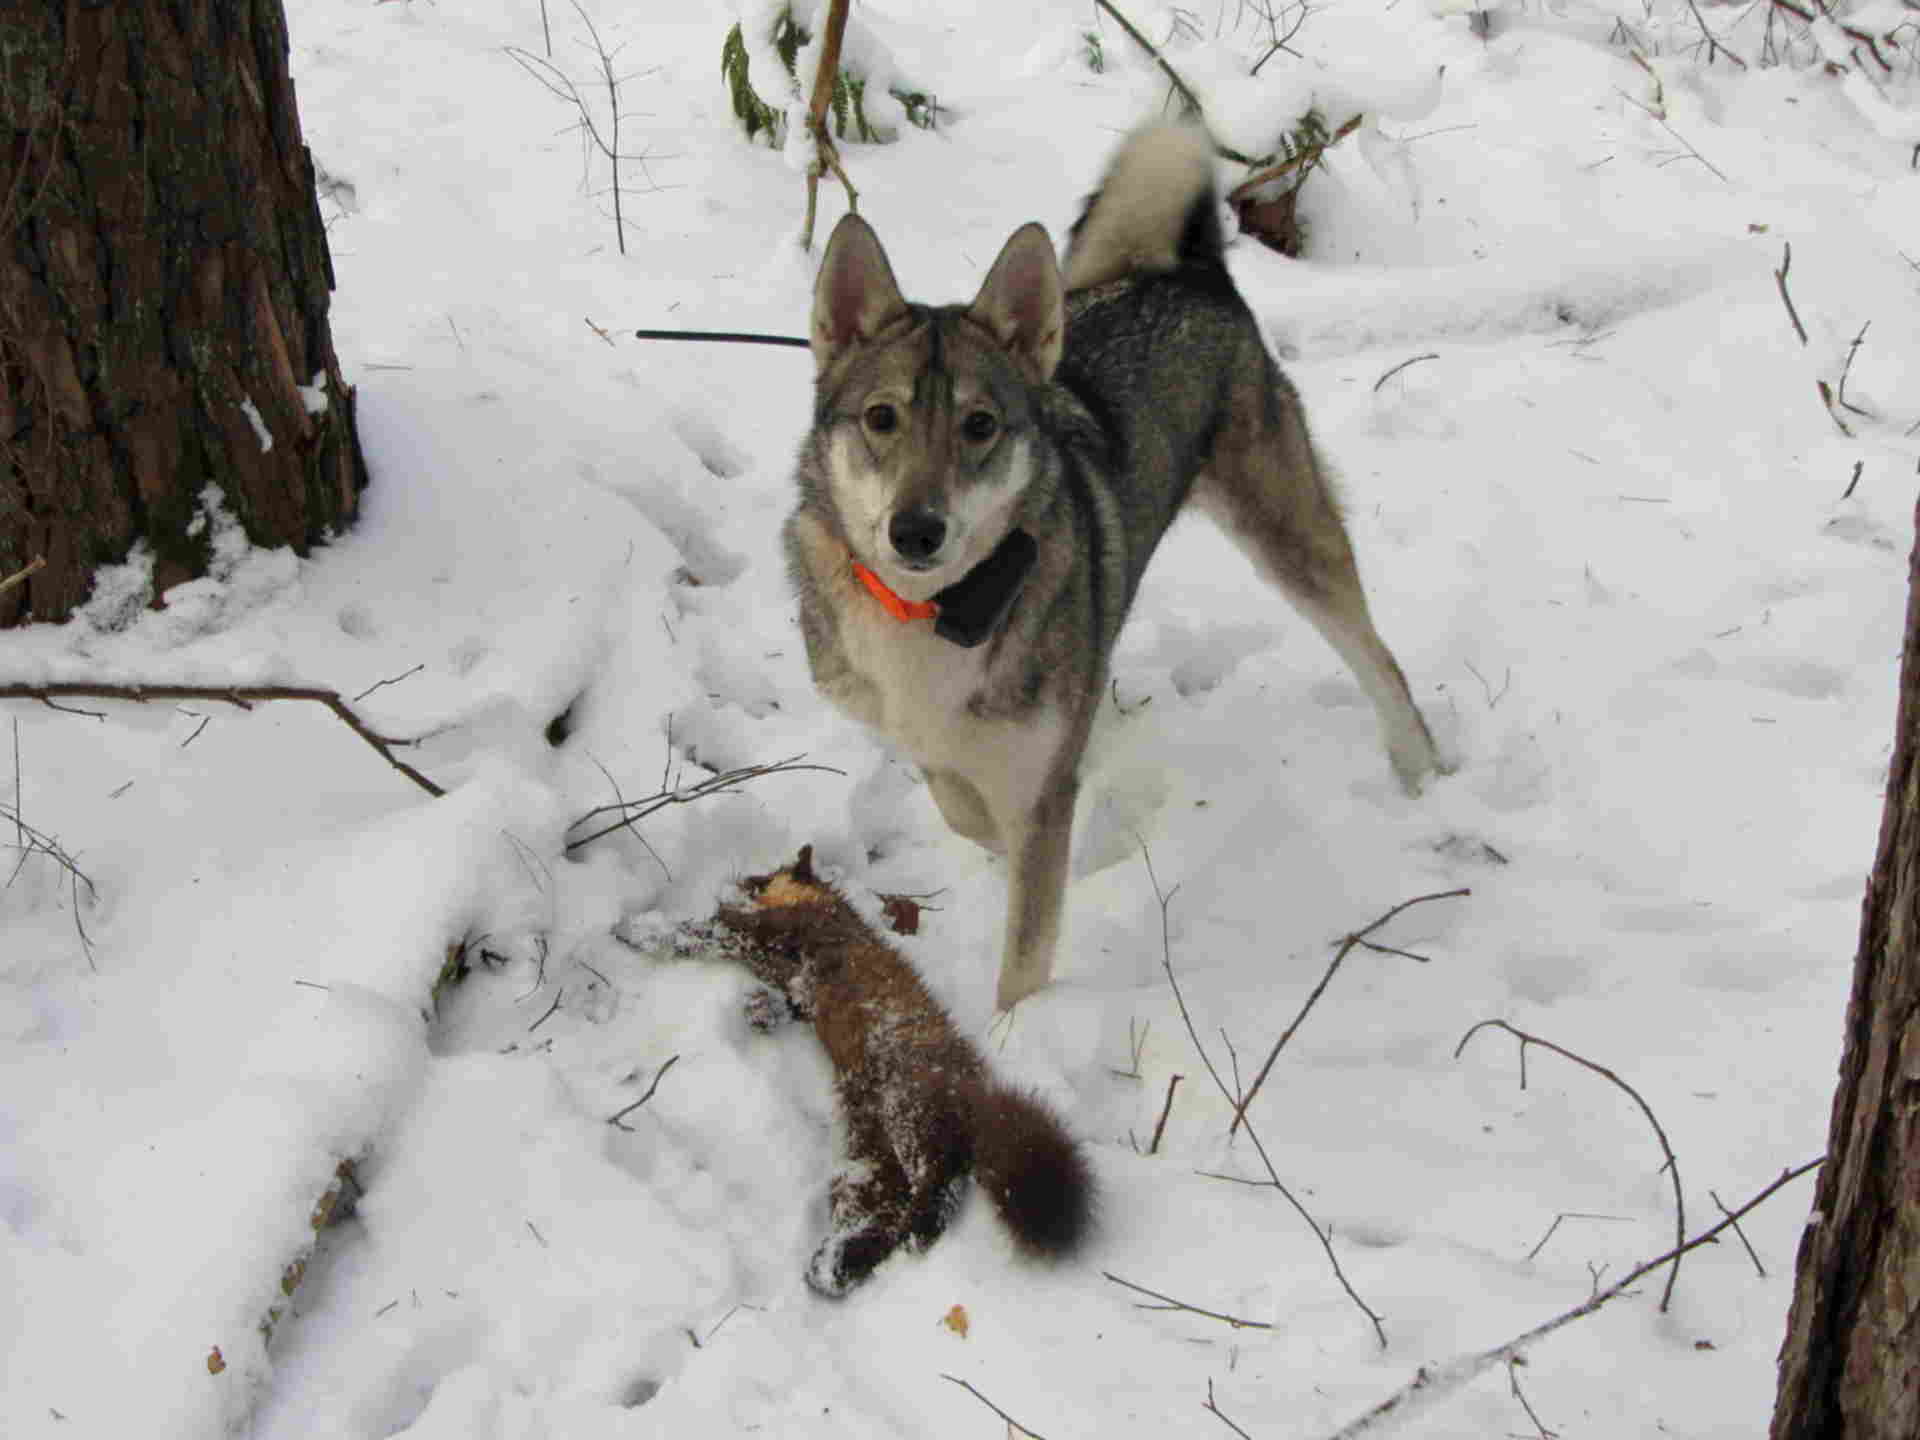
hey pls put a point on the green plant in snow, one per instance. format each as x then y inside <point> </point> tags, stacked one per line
<point>848,102</point>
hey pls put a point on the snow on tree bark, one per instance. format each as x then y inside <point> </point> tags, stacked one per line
<point>1850,1366</point>
<point>164,287</point>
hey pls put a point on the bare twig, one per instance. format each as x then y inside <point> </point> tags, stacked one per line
<point>1220,1414</point>
<point>34,841</point>
<point>620,803</point>
<point>1752,1254</point>
<point>1169,1303</point>
<point>1514,1362</point>
<point>392,680</point>
<point>734,337</point>
<point>1780,279</point>
<point>1186,94</point>
<point>1279,44</point>
<point>1858,466</point>
<point>1433,1383</point>
<point>20,576</point>
<point>1846,369</point>
<point>1672,1167</point>
<point>242,697</point>
<point>1015,1424</point>
<point>560,995</point>
<point>1714,47</point>
<point>631,810</point>
<point>1833,414</point>
<point>1430,355</point>
<point>615,1118</point>
<point>1347,944</point>
<point>1165,1110</point>
<point>1273,1175</point>
<point>1569,1215</point>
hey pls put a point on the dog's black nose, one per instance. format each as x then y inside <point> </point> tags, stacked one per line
<point>916,534</point>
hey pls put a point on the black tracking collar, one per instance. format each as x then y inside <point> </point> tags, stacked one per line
<point>972,608</point>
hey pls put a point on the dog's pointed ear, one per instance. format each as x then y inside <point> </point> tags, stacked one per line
<point>855,295</point>
<point>1022,302</point>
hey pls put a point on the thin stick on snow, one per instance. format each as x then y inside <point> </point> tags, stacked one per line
<point>730,337</point>
<point>1220,1414</point>
<point>1273,1175</point>
<point>1017,1426</point>
<point>1752,1254</point>
<point>1513,1384</point>
<point>1672,1167</point>
<point>243,697</point>
<point>615,1119</point>
<point>1570,1215</point>
<point>1846,369</point>
<point>1160,1129</point>
<point>1430,355</point>
<point>1780,279</point>
<point>1169,1303</point>
<point>1714,47</point>
<point>1347,945</point>
<point>1433,1383</point>
<point>631,810</point>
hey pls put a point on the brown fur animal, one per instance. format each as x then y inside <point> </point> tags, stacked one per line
<point>921,1111</point>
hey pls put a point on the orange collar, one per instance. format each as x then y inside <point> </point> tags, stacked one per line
<point>895,606</point>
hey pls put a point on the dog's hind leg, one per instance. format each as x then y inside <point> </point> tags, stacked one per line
<point>1265,485</point>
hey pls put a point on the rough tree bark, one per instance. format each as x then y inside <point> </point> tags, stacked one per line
<point>164,284</point>
<point>1850,1367</point>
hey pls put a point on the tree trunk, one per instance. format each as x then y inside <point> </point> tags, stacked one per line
<point>164,283</point>
<point>1850,1366</point>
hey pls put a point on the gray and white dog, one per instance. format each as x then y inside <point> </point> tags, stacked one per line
<point>984,484</point>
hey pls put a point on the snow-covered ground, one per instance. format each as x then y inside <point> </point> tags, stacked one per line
<point>1603,526</point>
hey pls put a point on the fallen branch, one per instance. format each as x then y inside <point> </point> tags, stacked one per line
<point>1220,1414</point>
<point>1165,1110</point>
<point>1780,279</point>
<point>243,697</point>
<point>1358,937</point>
<point>1672,1167</point>
<point>615,1118</point>
<point>1273,1175</point>
<point>1169,1303</point>
<point>1015,1427</point>
<point>632,810</point>
<point>1430,355</point>
<point>1433,1383</point>
<point>1186,94</point>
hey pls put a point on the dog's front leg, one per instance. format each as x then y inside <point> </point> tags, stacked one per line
<point>1036,891</point>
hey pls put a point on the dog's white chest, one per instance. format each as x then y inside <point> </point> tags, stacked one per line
<point>923,684</point>
<point>925,688</point>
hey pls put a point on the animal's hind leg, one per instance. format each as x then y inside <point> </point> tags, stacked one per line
<point>870,1207</point>
<point>1265,485</point>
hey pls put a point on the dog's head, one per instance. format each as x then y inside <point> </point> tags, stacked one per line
<point>926,413</point>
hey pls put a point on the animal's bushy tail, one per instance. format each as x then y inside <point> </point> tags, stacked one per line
<point>1153,212</point>
<point>1034,1172</point>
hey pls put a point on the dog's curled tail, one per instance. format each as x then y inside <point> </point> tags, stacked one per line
<point>1153,212</point>
<point>1034,1172</point>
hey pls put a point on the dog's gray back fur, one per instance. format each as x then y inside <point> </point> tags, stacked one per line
<point>1159,384</point>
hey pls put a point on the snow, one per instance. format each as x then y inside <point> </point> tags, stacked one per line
<point>1602,524</point>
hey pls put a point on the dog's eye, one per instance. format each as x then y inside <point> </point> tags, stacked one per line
<point>980,427</point>
<point>882,419</point>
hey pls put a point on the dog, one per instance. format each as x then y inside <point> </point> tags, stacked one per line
<point>983,485</point>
